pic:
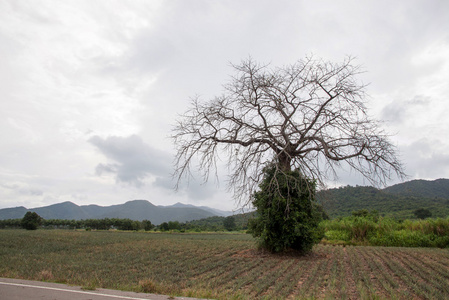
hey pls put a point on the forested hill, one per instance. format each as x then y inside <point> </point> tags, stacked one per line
<point>399,201</point>
<point>421,188</point>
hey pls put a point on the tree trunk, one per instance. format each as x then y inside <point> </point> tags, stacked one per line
<point>284,161</point>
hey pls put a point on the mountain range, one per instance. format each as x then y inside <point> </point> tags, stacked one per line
<point>398,201</point>
<point>136,210</point>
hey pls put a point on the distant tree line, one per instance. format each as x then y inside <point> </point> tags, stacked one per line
<point>230,223</point>
<point>31,221</point>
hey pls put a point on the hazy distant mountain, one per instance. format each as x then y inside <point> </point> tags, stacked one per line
<point>12,213</point>
<point>217,212</point>
<point>66,211</point>
<point>135,210</point>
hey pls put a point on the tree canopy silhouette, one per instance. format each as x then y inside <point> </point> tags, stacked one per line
<point>309,116</point>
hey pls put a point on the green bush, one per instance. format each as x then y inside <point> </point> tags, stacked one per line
<point>361,229</point>
<point>388,232</point>
<point>286,215</point>
<point>422,213</point>
<point>337,235</point>
<point>229,223</point>
<point>356,229</point>
<point>31,221</point>
<point>147,225</point>
<point>439,227</point>
<point>407,238</point>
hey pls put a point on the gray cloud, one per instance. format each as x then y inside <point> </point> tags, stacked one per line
<point>194,188</point>
<point>150,51</point>
<point>198,191</point>
<point>398,110</point>
<point>23,190</point>
<point>426,159</point>
<point>133,160</point>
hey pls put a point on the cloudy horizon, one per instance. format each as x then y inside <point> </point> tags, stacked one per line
<point>91,89</point>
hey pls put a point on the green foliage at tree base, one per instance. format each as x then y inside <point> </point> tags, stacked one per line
<point>286,215</point>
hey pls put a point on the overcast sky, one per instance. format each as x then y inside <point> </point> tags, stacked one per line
<point>89,90</point>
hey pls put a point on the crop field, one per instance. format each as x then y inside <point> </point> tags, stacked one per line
<point>221,266</point>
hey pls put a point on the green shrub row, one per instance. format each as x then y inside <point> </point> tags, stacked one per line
<point>101,224</point>
<point>229,223</point>
<point>381,231</point>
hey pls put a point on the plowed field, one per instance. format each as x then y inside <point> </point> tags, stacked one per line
<point>223,266</point>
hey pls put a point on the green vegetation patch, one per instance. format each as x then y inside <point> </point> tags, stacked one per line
<point>380,231</point>
<point>399,202</point>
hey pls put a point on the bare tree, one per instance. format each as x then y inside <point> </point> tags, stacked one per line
<point>310,116</point>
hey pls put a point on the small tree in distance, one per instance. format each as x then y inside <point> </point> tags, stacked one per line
<point>31,221</point>
<point>422,213</point>
<point>164,226</point>
<point>147,225</point>
<point>309,117</point>
<point>229,223</point>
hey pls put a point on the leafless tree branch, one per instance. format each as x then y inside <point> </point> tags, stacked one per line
<point>308,116</point>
